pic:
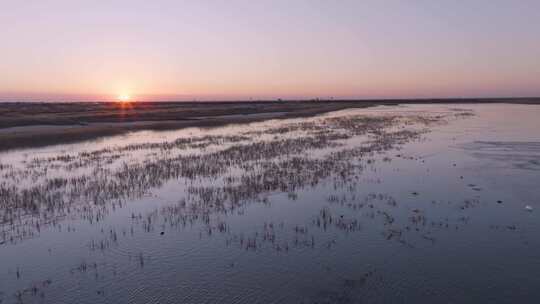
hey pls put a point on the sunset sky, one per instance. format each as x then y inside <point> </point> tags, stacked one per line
<point>223,50</point>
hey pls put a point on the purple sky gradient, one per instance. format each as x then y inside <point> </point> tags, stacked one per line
<point>185,50</point>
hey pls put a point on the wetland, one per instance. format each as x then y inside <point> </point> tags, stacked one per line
<point>382,204</point>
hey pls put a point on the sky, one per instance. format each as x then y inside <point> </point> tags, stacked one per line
<point>81,50</point>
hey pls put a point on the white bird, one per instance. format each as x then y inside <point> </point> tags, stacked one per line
<point>528,208</point>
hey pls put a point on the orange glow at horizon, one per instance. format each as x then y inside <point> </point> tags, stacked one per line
<point>124,98</point>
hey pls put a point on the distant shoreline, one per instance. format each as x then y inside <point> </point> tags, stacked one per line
<point>31,124</point>
<point>518,100</point>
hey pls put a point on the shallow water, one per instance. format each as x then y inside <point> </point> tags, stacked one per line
<point>418,203</point>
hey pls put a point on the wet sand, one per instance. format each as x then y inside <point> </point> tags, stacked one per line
<point>40,124</point>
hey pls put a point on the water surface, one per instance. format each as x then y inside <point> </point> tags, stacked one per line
<point>417,203</point>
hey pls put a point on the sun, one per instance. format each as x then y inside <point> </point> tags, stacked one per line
<point>124,98</point>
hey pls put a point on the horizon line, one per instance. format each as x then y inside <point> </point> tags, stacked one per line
<point>382,99</point>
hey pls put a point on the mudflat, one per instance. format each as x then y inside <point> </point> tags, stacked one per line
<point>30,124</point>
<point>375,205</point>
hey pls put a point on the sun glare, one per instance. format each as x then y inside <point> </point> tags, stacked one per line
<point>124,98</point>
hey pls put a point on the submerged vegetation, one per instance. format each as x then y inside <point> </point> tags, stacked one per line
<point>213,176</point>
<point>221,173</point>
